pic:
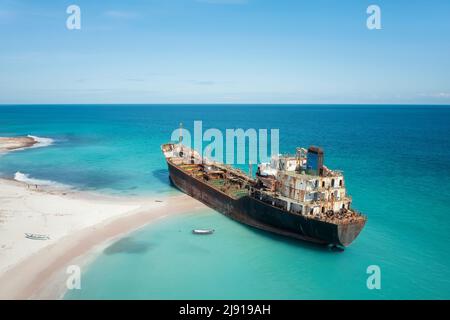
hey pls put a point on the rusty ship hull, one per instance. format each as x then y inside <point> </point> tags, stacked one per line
<point>256,213</point>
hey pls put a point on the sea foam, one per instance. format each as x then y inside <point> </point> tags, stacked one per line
<point>24,177</point>
<point>41,142</point>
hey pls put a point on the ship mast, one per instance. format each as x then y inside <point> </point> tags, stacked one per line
<point>180,138</point>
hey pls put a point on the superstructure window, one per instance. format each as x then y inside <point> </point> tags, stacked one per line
<point>340,183</point>
<point>332,182</point>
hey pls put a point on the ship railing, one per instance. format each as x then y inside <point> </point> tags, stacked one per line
<point>359,213</point>
<point>334,173</point>
<point>287,155</point>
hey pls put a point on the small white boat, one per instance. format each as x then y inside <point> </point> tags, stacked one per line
<point>34,236</point>
<point>203,231</point>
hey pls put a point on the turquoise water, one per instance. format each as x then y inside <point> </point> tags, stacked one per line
<point>396,160</point>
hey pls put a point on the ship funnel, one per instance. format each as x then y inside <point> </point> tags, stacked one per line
<point>314,161</point>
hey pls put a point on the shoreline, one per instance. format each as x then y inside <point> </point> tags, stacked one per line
<point>80,225</point>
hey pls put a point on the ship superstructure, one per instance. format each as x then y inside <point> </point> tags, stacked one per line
<point>306,185</point>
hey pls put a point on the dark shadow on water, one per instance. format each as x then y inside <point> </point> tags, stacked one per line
<point>293,242</point>
<point>127,245</point>
<point>163,176</point>
<point>85,178</point>
<point>93,180</point>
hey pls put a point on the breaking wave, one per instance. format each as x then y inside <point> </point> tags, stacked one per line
<point>24,177</point>
<point>41,142</point>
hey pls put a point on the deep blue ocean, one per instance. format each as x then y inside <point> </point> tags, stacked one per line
<point>396,161</point>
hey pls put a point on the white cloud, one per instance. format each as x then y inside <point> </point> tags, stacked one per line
<point>439,95</point>
<point>121,14</point>
<point>204,82</point>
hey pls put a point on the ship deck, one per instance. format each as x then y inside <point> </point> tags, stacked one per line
<point>236,184</point>
<point>224,181</point>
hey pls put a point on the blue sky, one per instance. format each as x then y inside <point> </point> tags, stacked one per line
<point>225,51</point>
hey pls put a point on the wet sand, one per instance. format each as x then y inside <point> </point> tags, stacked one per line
<point>79,225</point>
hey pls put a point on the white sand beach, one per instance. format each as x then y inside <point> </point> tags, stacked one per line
<point>77,223</point>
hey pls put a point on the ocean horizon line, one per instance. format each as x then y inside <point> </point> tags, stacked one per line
<point>232,104</point>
